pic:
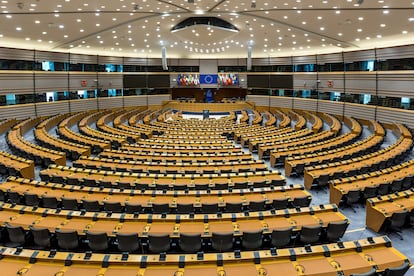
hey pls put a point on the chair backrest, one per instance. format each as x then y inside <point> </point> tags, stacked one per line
<point>233,207</point>
<point>16,234</point>
<point>49,202</point>
<point>113,207</point>
<point>371,272</point>
<point>13,197</point>
<point>70,204</point>
<point>160,208</point>
<point>222,241</point>
<point>397,271</point>
<point>67,240</point>
<point>128,242</point>
<point>91,205</point>
<point>190,243</point>
<point>209,208</point>
<point>159,243</point>
<point>257,205</point>
<point>399,218</point>
<point>185,208</point>
<point>41,237</point>
<point>383,189</point>
<point>281,237</point>
<point>353,196</point>
<point>336,230</point>
<point>252,240</point>
<point>370,192</point>
<point>310,234</point>
<point>131,208</point>
<point>97,241</point>
<point>31,199</point>
<point>280,204</point>
<point>301,201</point>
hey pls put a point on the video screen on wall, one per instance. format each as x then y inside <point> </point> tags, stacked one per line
<point>135,81</point>
<point>188,79</point>
<point>228,79</point>
<point>270,81</point>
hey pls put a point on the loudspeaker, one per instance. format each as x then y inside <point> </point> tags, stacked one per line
<point>249,58</point>
<point>164,58</point>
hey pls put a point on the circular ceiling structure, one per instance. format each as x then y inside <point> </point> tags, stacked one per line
<point>143,27</point>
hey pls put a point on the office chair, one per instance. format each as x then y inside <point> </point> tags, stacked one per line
<point>17,236</point>
<point>128,242</point>
<point>159,243</point>
<point>112,207</point>
<point>42,237</point>
<point>257,206</point>
<point>97,241</point>
<point>281,237</point>
<point>49,202</point>
<point>252,240</point>
<point>352,197</point>
<point>160,208</point>
<point>183,208</point>
<point>280,204</point>
<point>336,230</point>
<point>70,204</point>
<point>132,208</point>
<point>91,205</point>
<point>310,234</point>
<point>369,192</point>
<point>372,272</point>
<point>394,224</point>
<point>233,207</point>
<point>190,243</point>
<point>67,240</point>
<point>222,242</point>
<point>383,189</point>
<point>31,200</point>
<point>209,208</point>
<point>397,271</point>
<point>301,201</point>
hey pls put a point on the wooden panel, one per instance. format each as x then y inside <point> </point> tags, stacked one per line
<point>360,83</point>
<point>392,115</point>
<point>52,108</point>
<point>360,111</point>
<point>136,101</point>
<point>304,104</point>
<point>17,111</point>
<point>112,102</point>
<point>83,105</point>
<point>330,107</point>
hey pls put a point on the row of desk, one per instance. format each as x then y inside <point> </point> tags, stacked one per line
<point>105,178</point>
<point>380,209</point>
<point>341,187</point>
<point>171,224</point>
<point>372,160</point>
<point>146,198</point>
<point>322,260</point>
<point>168,167</point>
<point>280,155</point>
<point>64,131</point>
<point>297,164</point>
<point>41,155</point>
<point>73,150</point>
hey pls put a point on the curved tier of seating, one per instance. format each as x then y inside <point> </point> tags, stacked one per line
<point>167,188</point>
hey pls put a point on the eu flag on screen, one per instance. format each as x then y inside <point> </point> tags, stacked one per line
<point>208,79</point>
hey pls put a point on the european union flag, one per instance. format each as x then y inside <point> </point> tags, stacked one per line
<point>208,79</point>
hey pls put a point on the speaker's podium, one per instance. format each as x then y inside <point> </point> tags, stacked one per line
<point>206,114</point>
